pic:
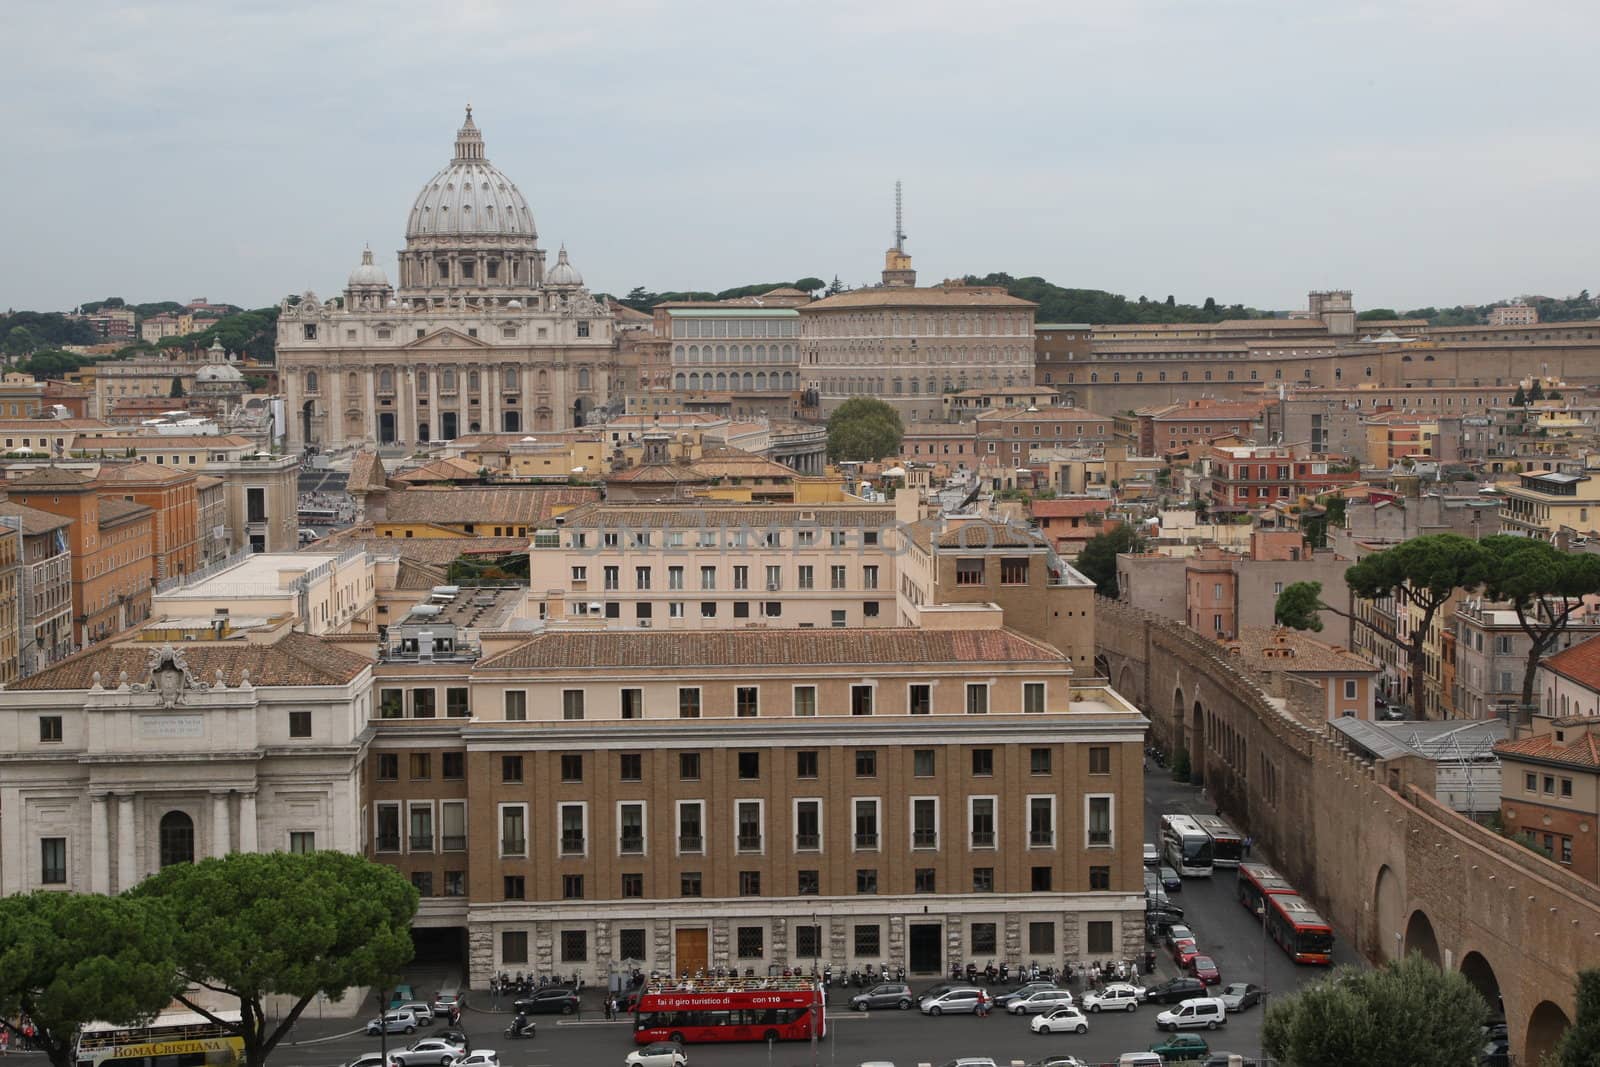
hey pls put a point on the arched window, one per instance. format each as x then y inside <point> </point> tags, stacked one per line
<point>722,381</point>
<point>694,380</point>
<point>761,379</point>
<point>749,381</point>
<point>678,381</point>
<point>447,380</point>
<point>509,378</point>
<point>422,380</point>
<point>386,381</point>
<point>355,384</point>
<point>472,380</point>
<point>177,838</point>
<point>311,381</point>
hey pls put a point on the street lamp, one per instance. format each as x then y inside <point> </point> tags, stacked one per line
<point>383,1026</point>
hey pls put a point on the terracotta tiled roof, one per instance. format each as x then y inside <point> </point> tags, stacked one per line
<point>294,659</point>
<point>157,441</point>
<point>1067,509</point>
<point>953,296</point>
<point>1581,663</point>
<point>1582,752</point>
<point>513,504</point>
<point>437,551</point>
<point>366,473</point>
<point>142,472</point>
<point>442,470</point>
<point>34,521</point>
<point>50,478</point>
<point>1180,412</point>
<point>658,474</point>
<point>778,648</point>
<point>1051,414</point>
<point>114,511</point>
<point>206,481</point>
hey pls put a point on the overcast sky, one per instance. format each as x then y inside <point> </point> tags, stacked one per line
<point>1416,151</point>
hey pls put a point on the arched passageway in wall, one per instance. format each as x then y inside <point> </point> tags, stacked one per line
<point>1197,745</point>
<point>1421,938</point>
<point>1545,1027</point>
<point>1102,667</point>
<point>1125,684</point>
<point>1389,903</point>
<point>1476,969</point>
<point>1176,734</point>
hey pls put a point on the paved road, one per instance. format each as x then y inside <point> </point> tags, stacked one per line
<point>1231,935</point>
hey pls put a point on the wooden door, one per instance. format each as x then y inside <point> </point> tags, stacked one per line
<point>691,945</point>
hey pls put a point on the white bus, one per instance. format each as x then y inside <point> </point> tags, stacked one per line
<point>1227,844</point>
<point>1185,846</point>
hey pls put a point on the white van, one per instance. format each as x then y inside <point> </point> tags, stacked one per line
<point>1139,1059</point>
<point>1196,1012</point>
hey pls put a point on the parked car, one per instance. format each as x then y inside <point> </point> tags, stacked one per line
<point>1170,880</point>
<point>1152,855</point>
<point>1205,968</point>
<point>1175,989</point>
<point>1178,932</point>
<point>658,1054</point>
<point>1152,885</point>
<point>1237,996</point>
<point>1223,1059</point>
<point>1183,951</point>
<point>393,1022</point>
<point>427,1051</point>
<point>961,1000</point>
<point>1042,1001</point>
<point>939,987</point>
<point>551,1000</point>
<point>970,1061</point>
<point>370,1059</point>
<point>401,994</point>
<point>457,1038</point>
<point>1194,1013</point>
<point>1182,1047</point>
<point>422,1011</point>
<point>1058,1061</point>
<point>1004,1000</point>
<point>1118,996</point>
<point>884,995</point>
<point>1060,1021</point>
<point>444,1000</point>
<point>483,1057</point>
<point>1138,1059</point>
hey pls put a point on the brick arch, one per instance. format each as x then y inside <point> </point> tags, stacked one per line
<point>1127,686</point>
<point>1546,1023</point>
<point>1388,905</point>
<point>1421,938</point>
<point>1477,970</point>
<point>1197,744</point>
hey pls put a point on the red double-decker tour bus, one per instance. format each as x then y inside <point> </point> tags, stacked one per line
<point>737,1009</point>
<point>1291,922</point>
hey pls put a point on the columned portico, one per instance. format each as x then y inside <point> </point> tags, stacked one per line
<point>220,835</point>
<point>127,856</point>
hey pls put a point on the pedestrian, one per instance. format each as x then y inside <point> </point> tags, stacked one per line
<point>1248,842</point>
<point>606,1004</point>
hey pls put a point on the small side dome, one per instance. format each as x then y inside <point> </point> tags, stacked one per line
<point>563,273</point>
<point>368,273</point>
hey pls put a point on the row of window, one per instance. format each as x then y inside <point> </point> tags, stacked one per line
<point>722,537</point>
<point>691,884</point>
<point>747,701</point>
<point>1532,782</point>
<point>866,940</point>
<point>644,611</point>
<point>784,326</point>
<point>807,764</point>
<point>805,577</point>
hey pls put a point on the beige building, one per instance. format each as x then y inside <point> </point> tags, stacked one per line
<point>478,336</point>
<point>1542,503</point>
<point>694,566</point>
<point>757,799</point>
<point>136,755</point>
<point>45,593</point>
<point>1518,314</point>
<point>326,592</point>
<point>909,346</point>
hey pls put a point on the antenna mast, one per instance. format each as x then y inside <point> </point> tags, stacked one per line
<point>899,229</point>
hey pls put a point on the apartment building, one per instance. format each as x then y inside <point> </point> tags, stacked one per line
<point>1253,476</point>
<point>1171,427</point>
<point>325,592</point>
<point>1491,653</point>
<point>45,594</point>
<point>111,544</point>
<point>1012,436</point>
<point>1541,503</point>
<point>1550,778</point>
<point>175,510</point>
<point>691,566</point>
<point>759,798</point>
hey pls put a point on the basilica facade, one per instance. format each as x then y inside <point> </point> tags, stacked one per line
<point>480,335</point>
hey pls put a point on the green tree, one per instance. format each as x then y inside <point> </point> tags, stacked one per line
<point>255,925</point>
<point>1098,559</point>
<point>1519,398</point>
<point>1580,1045</point>
<point>177,387</point>
<point>864,429</point>
<point>20,341</point>
<point>1377,315</point>
<point>71,958</point>
<point>1537,392</point>
<point>1299,607</point>
<point>808,284</point>
<point>1408,1012</point>
<point>1543,585</point>
<point>835,287</point>
<point>1424,570</point>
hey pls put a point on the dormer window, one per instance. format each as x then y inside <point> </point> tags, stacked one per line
<point>310,331</point>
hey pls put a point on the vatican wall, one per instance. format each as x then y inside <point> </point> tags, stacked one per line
<point>1392,869</point>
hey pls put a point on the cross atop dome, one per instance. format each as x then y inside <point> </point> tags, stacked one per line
<point>469,142</point>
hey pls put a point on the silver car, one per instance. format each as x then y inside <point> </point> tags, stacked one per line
<point>394,1022</point>
<point>426,1052</point>
<point>963,1000</point>
<point>1041,1002</point>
